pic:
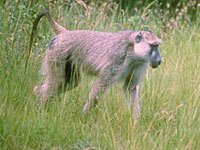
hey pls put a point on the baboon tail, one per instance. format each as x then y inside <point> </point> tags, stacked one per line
<point>56,27</point>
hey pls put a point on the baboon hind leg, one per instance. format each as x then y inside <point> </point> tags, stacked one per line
<point>53,79</point>
<point>96,89</point>
<point>99,86</point>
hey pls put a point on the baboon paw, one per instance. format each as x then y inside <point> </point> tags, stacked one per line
<point>136,114</point>
<point>86,107</point>
<point>36,90</point>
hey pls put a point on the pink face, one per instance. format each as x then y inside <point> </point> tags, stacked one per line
<point>146,47</point>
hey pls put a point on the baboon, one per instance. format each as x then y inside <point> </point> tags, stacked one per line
<point>111,57</point>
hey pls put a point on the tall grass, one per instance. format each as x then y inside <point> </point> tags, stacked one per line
<point>169,96</point>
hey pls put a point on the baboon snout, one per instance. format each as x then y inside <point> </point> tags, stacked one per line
<point>155,58</point>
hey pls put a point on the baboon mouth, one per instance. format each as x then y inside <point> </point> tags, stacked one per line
<point>154,66</point>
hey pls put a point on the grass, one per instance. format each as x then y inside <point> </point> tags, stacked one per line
<point>169,96</point>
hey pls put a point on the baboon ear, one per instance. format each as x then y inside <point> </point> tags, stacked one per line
<point>138,37</point>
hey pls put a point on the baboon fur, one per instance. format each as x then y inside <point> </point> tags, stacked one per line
<point>111,57</point>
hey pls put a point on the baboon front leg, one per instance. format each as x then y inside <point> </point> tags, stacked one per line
<point>133,100</point>
<point>97,87</point>
<point>134,92</point>
<point>132,86</point>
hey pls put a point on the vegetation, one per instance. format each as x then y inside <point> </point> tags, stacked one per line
<point>169,99</point>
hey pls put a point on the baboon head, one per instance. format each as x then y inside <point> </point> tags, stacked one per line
<point>146,47</point>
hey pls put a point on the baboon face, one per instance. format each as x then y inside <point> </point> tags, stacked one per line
<point>146,48</point>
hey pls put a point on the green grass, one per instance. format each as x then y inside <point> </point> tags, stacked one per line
<point>170,94</point>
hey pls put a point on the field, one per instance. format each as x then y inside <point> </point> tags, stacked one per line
<point>169,98</point>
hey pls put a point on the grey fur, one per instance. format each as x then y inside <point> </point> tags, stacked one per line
<point>111,57</point>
